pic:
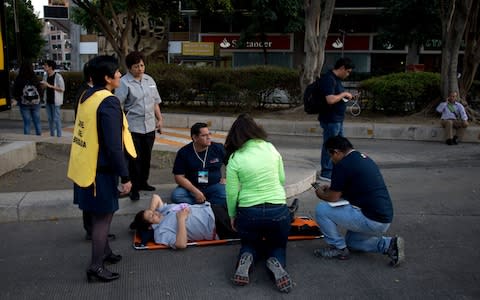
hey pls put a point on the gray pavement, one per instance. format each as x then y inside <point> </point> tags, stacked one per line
<point>436,196</point>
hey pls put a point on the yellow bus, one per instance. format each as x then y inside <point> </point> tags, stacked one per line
<point>4,84</point>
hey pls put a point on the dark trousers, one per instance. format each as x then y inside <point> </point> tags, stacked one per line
<point>222,222</point>
<point>139,167</point>
<point>87,222</point>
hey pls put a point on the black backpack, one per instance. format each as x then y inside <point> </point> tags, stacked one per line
<point>311,102</point>
<point>30,94</point>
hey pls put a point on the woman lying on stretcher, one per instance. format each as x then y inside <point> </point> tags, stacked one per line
<point>175,225</point>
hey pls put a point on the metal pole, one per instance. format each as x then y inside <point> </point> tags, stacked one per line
<point>17,33</point>
<point>343,40</point>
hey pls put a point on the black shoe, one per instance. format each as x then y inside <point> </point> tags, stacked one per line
<point>134,196</point>
<point>101,274</point>
<point>396,251</point>
<point>449,142</point>
<point>113,258</point>
<point>147,187</point>
<point>455,140</point>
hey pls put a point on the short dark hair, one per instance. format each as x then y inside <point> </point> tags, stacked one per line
<point>339,143</point>
<point>195,129</point>
<point>101,66</point>
<point>139,222</point>
<point>345,62</point>
<point>134,58</point>
<point>50,63</point>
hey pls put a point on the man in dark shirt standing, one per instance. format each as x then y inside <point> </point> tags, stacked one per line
<point>369,213</point>
<point>332,113</point>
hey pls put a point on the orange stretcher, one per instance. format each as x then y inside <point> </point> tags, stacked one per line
<point>303,228</point>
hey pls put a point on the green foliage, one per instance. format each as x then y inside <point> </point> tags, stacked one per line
<point>31,41</point>
<point>408,21</point>
<point>73,81</point>
<point>214,86</point>
<point>401,93</point>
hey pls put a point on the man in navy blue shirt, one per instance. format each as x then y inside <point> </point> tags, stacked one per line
<point>197,169</point>
<point>332,113</point>
<point>368,213</point>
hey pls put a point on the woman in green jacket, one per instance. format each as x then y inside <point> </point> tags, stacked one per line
<point>256,200</point>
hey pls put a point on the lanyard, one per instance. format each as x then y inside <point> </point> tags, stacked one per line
<point>198,156</point>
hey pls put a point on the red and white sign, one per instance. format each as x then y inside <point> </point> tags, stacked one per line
<point>231,42</point>
<point>350,42</point>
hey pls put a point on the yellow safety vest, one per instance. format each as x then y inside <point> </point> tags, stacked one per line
<point>82,165</point>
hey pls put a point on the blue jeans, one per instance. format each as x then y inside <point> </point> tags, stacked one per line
<point>363,234</point>
<point>264,229</point>
<point>54,120</point>
<point>214,193</point>
<point>31,113</point>
<point>329,130</point>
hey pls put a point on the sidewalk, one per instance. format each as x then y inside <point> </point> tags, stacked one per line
<point>57,204</point>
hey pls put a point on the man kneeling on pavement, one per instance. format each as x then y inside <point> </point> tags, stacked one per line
<point>367,216</point>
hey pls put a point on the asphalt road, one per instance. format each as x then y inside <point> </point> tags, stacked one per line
<point>436,195</point>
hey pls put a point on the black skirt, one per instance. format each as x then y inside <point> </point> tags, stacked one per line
<point>101,198</point>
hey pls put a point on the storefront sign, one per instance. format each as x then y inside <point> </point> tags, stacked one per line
<point>231,42</point>
<point>348,42</point>
<point>436,45</point>
<point>198,49</point>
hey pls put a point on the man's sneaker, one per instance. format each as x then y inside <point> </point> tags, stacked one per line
<point>241,274</point>
<point>332,252</point>
<point>282,279</point>
<point>396,251</point>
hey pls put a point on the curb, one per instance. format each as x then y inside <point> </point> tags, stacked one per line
<point>365,130</point>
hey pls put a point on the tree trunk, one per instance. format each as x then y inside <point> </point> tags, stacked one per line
<point>318,16</point>
<point>454,15</point>
<point>471,57</point>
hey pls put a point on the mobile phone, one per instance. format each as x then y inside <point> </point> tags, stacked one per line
<point>315,185</point>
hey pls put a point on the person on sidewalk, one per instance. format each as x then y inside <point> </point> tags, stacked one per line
<point>256,201</point>
<point>54,88</point>
<point>139,96</point>
<point>367,216</point>
<point>101,141</point>
<point>453,117</point>
<point>198,169</point>
<point>87,217</point>
<point>29,108</point>
<point>332,113</point>
<point>175,225</point>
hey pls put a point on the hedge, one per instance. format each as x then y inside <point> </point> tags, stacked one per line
<point>401,93</point>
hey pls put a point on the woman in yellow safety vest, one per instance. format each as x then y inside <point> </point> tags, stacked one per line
<point>100,143</point>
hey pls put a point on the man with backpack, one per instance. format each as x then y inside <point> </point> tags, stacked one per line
<point>331,93</point>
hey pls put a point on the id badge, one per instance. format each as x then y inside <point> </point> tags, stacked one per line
<point>203,176</point>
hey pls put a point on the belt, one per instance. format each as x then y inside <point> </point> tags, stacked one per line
<point>265,205</point>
